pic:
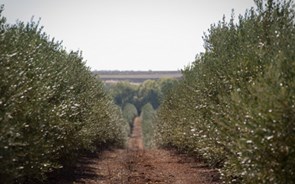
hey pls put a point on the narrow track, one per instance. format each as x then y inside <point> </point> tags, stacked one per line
<point>135,165</point>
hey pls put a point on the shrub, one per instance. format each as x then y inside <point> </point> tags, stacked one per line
<point>148,118</point>
<point>130,113</point>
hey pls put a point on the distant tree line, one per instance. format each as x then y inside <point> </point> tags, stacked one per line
<point>150,91</point>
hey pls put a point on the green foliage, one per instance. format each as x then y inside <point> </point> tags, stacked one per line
<point>130,113</point>
<point>235,106</point>
<point>123,93</point>
<point>153,92</point>
<point>50,105</point>
<point>150,91</point>
<point>148,118</point>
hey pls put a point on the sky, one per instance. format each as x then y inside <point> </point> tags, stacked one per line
<point>128,34</point>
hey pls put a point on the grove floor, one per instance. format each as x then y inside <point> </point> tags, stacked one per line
<point>135,165</point>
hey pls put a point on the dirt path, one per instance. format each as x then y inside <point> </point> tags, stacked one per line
<point>135,165</point>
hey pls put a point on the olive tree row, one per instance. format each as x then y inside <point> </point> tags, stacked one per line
<point>50,105</point>
<point>235,106</point>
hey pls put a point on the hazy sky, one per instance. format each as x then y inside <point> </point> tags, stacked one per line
<point>128,34</point>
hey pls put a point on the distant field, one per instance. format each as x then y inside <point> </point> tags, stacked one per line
<point>135,76</point>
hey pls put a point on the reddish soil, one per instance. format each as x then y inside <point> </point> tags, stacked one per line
<point>135,165</point>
